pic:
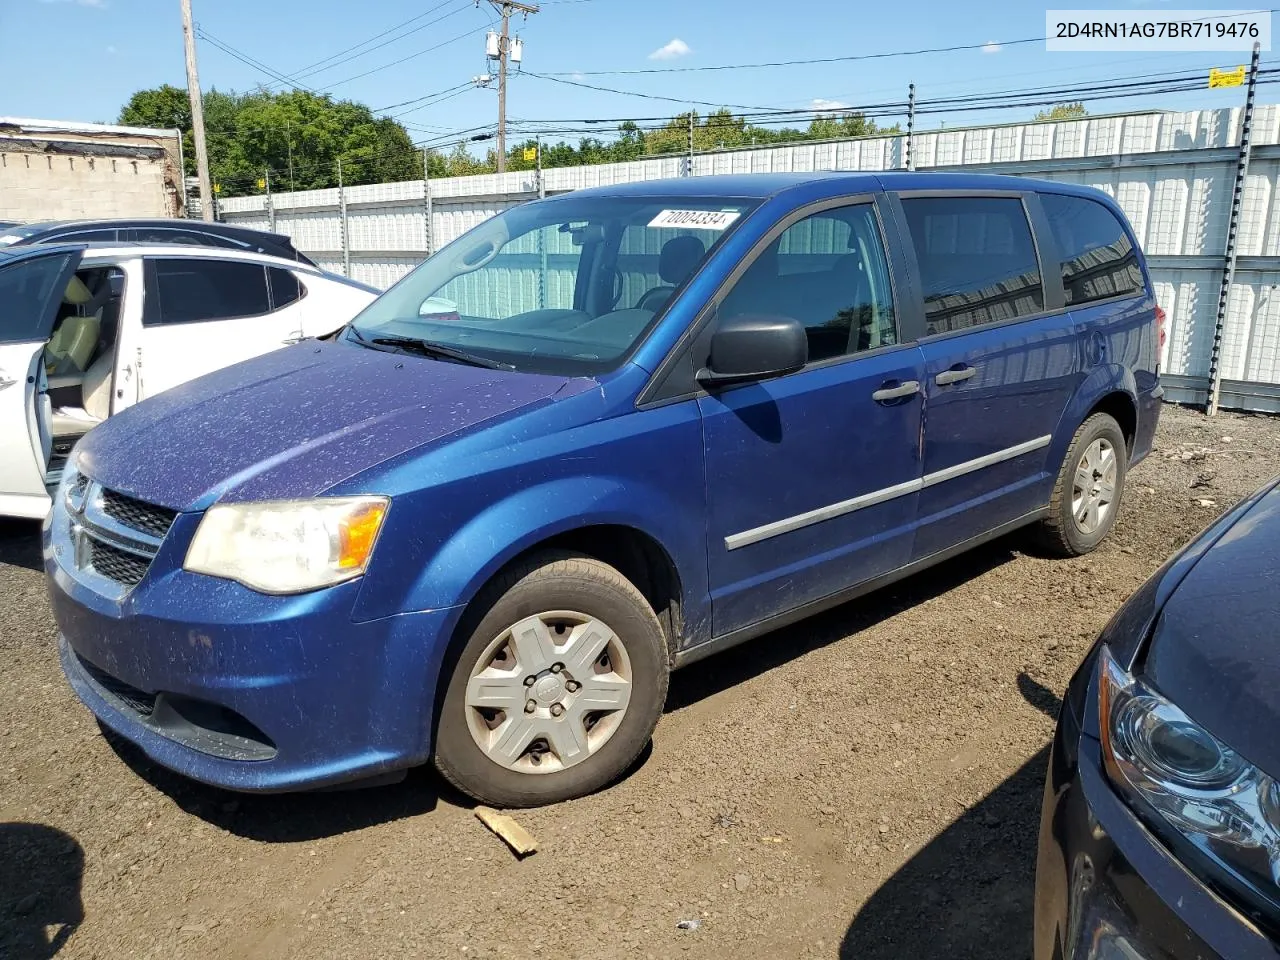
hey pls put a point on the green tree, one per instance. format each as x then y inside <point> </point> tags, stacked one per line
<point>1062,111</point>
<point>298,135</point>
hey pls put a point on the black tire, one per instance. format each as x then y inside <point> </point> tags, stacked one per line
<point>1059,534</point>
<point>553,581</point>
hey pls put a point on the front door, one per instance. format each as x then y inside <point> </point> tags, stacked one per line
<point>1002,362</point>
<point>31,289</point>
<point>812,478</point>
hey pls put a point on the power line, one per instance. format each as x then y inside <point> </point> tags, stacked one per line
<point>557,78</point>
<point>405,103</point>
<point>355,56</point>
<point>248,60</point>
<point>839,59</point>
<point>302,71</point>
<point>412,56</point>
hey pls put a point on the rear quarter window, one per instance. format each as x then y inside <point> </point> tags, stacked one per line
<point>1098,257</point>
<point>977,260</point>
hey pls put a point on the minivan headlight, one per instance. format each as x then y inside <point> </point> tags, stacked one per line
<point>288,546</point>
<point>1157,755</point>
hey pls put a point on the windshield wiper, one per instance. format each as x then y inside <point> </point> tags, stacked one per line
<point>429,348</point>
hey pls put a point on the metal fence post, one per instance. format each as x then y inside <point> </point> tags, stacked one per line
<point>542,187</point>
<point>689,172</point>
<point>911,123</point>
<point>1233,235</point>
<point>271,207</point>
<point>342,223</point>
<point>426,201</point>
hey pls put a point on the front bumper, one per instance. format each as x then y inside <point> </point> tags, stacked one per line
<point>1106,888</point>
<point>250,692</point>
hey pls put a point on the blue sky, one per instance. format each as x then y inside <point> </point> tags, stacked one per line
<point>81,59</point>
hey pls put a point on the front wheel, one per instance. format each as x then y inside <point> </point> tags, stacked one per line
<point>557,689</point>
<point>1087,494</point>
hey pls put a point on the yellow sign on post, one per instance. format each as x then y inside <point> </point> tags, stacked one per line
<point>217,188</point>
<point>262,184</point>
<point>530,154</point>
<point>1226,78</point>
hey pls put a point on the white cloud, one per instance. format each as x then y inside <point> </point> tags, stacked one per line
<point>823,105</point>
<point>578,76</point>
<point>111,49</point>
<point>670,51</point>
<point>991,47</point>
<point>100,4</point>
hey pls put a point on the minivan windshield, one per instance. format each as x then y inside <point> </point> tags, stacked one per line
<point>563,286</point>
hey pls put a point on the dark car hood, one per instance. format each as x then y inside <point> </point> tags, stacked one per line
<point>294,423</point>
<point>1216,649</point>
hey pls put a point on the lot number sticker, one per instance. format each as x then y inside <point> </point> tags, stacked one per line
<point>695,219</point>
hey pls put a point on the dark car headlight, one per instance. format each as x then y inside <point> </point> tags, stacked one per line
<point>1163,761</point>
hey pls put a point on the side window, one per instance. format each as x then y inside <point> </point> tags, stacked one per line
<point>829,272</point>
<point>977,260</point>
<point>188,291</point>
<point>285,288</point>
<point>29,298</point>
<point>1098,258</point>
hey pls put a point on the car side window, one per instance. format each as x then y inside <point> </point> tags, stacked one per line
<point>828,271</point>
<point>1098,258</point>
<point>977,260</point>
<point>285,288</point>
<point>182,290</point>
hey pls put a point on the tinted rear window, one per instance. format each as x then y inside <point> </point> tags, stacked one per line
<point>1098,258</point>
<point>977,260</point>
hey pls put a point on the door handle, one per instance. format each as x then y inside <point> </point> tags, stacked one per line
<point>894,393</point>
<point>954,376</point>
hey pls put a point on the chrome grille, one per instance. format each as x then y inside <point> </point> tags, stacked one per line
<point>106,538</point>
<point>116,564</point>
<point>146,517</point>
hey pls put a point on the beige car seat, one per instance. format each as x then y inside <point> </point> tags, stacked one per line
<point>72,345</point>
<point>95,394</point>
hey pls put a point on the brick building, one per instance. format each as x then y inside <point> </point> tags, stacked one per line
<point>54,170</point>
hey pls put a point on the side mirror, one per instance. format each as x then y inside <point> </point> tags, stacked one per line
<point>755,347</point>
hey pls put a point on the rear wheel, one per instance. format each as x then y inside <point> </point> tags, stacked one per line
<point>557,688</point>
<point>1087,494</point>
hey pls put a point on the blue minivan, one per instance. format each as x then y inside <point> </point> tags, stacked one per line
<point>596,438</point>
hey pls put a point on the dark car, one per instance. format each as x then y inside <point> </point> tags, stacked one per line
<point>1160,836</point>
<point>597,438</point>
<point>192,232</point>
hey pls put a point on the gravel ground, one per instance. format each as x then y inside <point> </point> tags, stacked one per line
<point>865,784</point>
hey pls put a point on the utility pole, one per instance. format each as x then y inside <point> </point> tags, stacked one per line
<point>506,8</point>
<point>197,114</point>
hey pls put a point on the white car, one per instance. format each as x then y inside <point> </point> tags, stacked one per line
<point>88,331</point>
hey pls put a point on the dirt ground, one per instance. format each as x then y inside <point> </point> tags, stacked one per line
<point>862,785</point>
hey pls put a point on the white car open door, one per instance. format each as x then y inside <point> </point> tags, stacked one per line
<point>32,282</point>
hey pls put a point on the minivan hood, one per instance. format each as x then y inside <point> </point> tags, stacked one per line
<point>1216,647</point>
<point>295,422</point>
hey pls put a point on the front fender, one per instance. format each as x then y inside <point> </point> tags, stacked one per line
<point>1101,381</point>
<point>494,537</point>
